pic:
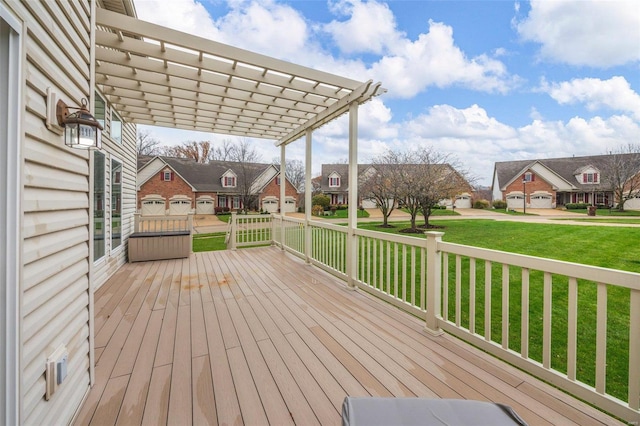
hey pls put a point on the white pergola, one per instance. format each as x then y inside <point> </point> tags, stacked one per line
<point>157,76</point>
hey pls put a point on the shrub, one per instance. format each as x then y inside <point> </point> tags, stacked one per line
<point>499,204</point>
<point>576,206</point>
<point>321,200</point>
<point>481,204</point>
<point>317,210</point>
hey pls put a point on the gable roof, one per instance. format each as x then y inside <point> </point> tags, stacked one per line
<point>343,171</point>
<point>159,76</point>
<point>566,168</point>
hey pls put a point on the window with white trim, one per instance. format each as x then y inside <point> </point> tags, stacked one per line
<point>166,175</point>
<point>590,178</point>
<point>528,177</point>
<point>116,127</point>
<point>334,181</point>
<point>229,181</point>
<point>99,109</point>
<point>99,224</point>
<point>116,203</point>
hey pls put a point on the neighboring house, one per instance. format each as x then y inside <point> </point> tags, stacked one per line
<point>554,182</point>
<point>334,182</point>
<point>65,213</point>
<point>169,185</point>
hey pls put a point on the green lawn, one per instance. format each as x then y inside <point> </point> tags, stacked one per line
<point>607,212</point>
<point>610,247</point>
<point>344,214</point>
<point>209,242</point>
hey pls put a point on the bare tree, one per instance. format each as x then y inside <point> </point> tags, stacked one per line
<point>200,151</point>
<point>622,173</point>
<point>377,183</point>
<point>248,170</point>
<point>423,177</point>
<point>223,152</point>
<point>294,171</point>
<point>146,144</point>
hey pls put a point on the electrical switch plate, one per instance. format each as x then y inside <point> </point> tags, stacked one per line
<point>56,370</point>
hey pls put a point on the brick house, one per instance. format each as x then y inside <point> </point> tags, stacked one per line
<point>554,182</point>
<point>175,186</point>
<point>334,182</point>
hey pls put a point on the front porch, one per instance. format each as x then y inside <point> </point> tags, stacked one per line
<point>257,336</point>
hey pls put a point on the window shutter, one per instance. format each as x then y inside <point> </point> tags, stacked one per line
<point>584,178</point>
<point>172,176</point>
<point>533,177</point>
<point>595,177</point>
<point>162,176</point>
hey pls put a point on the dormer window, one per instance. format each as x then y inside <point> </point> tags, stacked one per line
<point>229,181</point>
<point>590,178</point>
<point>334,180</point>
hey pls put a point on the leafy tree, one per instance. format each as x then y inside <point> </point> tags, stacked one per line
<point>622,173</point>
<point>321,200</point>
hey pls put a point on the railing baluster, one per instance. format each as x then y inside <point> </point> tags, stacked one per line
<point>388,267</point>
<point>472,295</point>
<point>445,286</point>
<point>601,339</point>
<point>374,266</point>
<point>546,321</point>
<point>396,262</point>
<point>381,265</point>
<point>413,275</point>
<point>404,272</point>
<point>458,289</point>
<point>634,350</point>
<point>423,278</point>
<point>505,306</point>
<point>487,300</point>
<point>572,331</point>
<point>524,315</point>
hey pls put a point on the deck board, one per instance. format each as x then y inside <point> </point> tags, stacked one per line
<point>257,336</point>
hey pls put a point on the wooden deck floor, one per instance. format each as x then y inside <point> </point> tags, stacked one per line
<point>257,337</point>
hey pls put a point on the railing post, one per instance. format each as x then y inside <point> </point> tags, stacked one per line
<point>136,222</point>
<point>190,228</point>
<point>234,227</point>
<point>282,230</point>
<point>434,283</point>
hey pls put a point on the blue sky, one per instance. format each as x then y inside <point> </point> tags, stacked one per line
<point>482,81</point>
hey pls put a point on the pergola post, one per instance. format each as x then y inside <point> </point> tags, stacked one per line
<point>308,192</point>
<point>283,149</point>
<point>352,242</point>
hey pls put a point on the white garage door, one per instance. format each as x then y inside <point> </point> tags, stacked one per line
<point>633,203</point>
<point>369,203</point>
<point>515,201</point>
<point>463,202</point>
<point>204,207</point>
<point>270,205</point>
<point>153,208</point>
<point>541,201</point>
<point>179,207</point>
<point>289,205</point>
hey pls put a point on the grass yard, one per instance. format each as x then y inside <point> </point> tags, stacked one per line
<point>607,212</point>
<point>344,214</point>
<point>209,242</point>
<point>610,247</point>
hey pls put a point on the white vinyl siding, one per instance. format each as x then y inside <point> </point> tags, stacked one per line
<point>55,254</point>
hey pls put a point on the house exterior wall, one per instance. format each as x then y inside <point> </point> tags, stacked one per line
<point>178,186</point>
<point>54,288</point>
<point>272,189</point>
<point>538,184</point>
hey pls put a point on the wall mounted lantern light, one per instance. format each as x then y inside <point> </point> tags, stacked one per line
<point>81,129</point>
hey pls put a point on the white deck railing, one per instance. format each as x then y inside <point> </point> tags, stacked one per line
<point>162,223</point>
<point>507,304</point>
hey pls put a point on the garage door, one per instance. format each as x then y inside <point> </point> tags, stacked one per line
<point>463,202</point>
<point>153,208</point>
<point>204,207</point>
<point>515,201</point>
<point>541,201</point>
<point>289,205</point>
<point>633,203</point>
<point>179,207</point>
<point>270,204</point>
<point>369,203</point>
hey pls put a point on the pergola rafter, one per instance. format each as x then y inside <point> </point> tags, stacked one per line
<point>158,76</point>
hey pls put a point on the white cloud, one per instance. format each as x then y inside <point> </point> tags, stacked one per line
<point>615,93</point>
<point>189,16</point>
<point>434,60</point>
<point>371,27</point>
<point>592,33</point>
